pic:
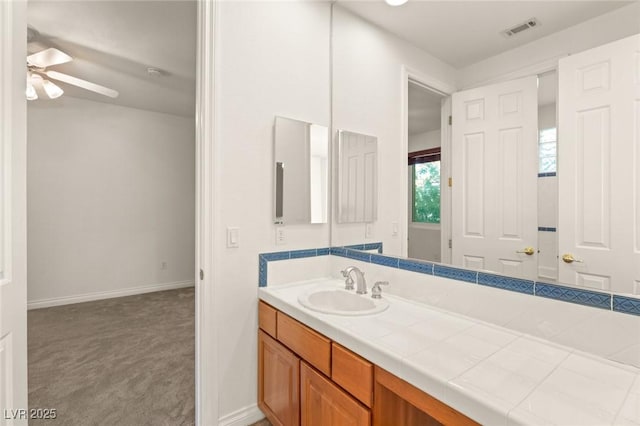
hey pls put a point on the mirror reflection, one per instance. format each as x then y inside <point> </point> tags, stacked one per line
<point>357,177</point>
<point>501,160</point>
<point>301,152</point>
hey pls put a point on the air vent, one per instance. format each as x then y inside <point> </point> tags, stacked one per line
<point>516,29</point>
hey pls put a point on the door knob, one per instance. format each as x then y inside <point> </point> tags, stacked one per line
<point>527,250</point>
<point>568,258</point>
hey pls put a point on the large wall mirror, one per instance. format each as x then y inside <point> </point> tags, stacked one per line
<point>528,177</point>
<point>301,152</point>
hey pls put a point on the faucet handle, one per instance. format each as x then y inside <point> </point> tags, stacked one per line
<point>348,282</point>
<point>376,290</point>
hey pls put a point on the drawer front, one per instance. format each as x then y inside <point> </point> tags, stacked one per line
<point>267,318</point>
<point>308,344</point>
<point>353,373</point>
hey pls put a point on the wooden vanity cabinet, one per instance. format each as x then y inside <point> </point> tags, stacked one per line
<point>306,379</point>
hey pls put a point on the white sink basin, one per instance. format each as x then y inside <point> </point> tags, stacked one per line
<point>341,302</point>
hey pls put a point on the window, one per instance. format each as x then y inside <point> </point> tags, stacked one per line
<point>425,169</point>
<point>547,146</point>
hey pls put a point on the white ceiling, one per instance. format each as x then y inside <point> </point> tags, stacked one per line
<point>462,33</point>
<point>114,42</point>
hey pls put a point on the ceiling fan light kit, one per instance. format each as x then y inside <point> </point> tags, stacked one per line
<point>53,90</point>
<point>37,64</point>
<point>31,91</point>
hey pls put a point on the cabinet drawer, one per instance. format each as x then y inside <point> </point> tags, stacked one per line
<point>267,318</point>
<point>308,344</point>
<point>353,373</point>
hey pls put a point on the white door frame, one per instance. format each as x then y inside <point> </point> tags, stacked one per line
<point>206,322</point>
<point>437,86</point>
<point>13,214</point>
<point>206,334</point>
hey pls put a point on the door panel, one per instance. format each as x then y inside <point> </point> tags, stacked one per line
<point>324,403</point>
<point>13,215</point>
<point>278,382</point>
<point>494,169</point>
<point>597,159</point>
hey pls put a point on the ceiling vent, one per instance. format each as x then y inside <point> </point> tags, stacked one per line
<point>517,29</point>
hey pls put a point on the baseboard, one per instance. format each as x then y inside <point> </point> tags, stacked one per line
<point>88,297</point>
<point>242,417</point>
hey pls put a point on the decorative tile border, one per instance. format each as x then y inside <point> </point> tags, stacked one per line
<point>415,266</point>
<point>546,229</point>
<point>265,258</point>
<point>623,304</point>
<point>366,247</point>
<point>627,305</point>
<point>574,295</point>
<point>547,174</point>
<point>506,283</point>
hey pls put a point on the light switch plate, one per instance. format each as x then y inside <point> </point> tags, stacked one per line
<point>368,230</point>
<point>394,229</point>
<point>281,237</point>
<point>233,237</point>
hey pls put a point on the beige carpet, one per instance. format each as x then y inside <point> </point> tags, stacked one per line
<point>124,361</point>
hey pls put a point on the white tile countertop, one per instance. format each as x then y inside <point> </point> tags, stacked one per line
<point>492,374</point>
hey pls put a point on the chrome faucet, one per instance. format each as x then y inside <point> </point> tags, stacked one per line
<point>361,283</point>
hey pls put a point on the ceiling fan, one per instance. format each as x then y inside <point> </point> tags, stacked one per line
<point>38,74</point>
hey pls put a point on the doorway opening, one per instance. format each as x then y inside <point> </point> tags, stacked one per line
<point>111,213</point>
<point>424,129</point>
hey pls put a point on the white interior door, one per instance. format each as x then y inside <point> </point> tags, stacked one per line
<point>598,160</point>
<point>357,196</point>
<point>494,168</point>
<point>13,215</point>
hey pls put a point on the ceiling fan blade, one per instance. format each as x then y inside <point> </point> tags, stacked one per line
<point>48,57</point>
<point>82,83</point>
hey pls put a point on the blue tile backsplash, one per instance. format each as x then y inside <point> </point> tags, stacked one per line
<point>574,295</point>
<point>506,283</point>
<point>627,305</point>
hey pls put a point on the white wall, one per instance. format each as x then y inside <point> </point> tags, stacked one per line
<point>367,98</point>
<point>425,140</point>
<point>272,58</point>
<point>424,243</point>
<point>612,26</point>
<point>110,196</point>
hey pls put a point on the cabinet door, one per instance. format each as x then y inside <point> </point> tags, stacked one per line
<point>325,404</point>
<point>278,382</point>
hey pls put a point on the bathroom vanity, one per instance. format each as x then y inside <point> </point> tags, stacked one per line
<point>306,378</point>
<point>417,364</point>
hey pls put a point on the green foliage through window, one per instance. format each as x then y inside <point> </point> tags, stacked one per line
<point>426,192</point>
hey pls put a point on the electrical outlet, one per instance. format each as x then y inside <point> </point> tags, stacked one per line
<point>368,230</point>
<point>281,237</point>
<point>163,265</point>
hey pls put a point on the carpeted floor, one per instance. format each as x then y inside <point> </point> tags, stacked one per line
<point>125,361</point>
